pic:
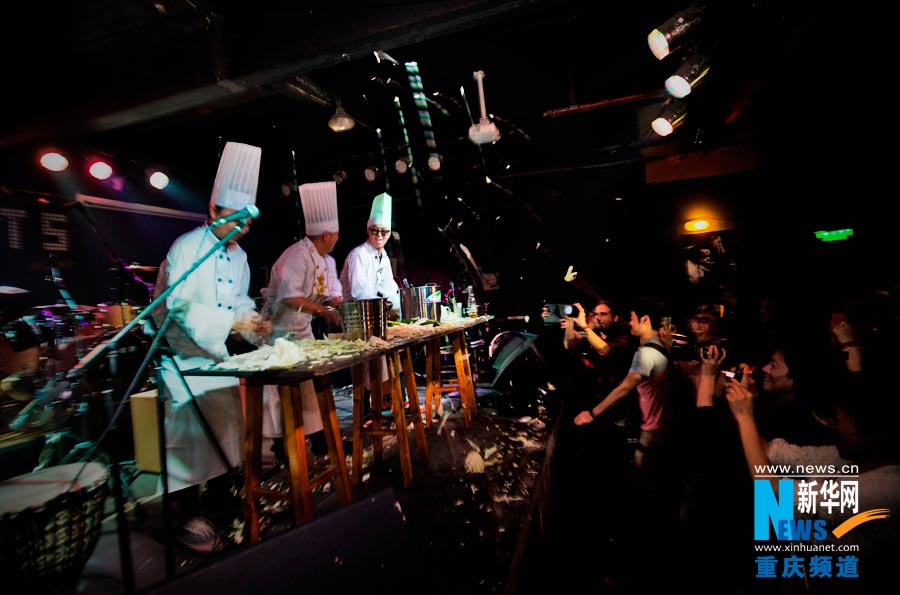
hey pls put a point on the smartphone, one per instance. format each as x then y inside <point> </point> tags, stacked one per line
<point>735,373</point>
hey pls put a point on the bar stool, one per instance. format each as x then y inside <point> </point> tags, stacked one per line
<point>299,481</point>
<point>399,363</point>
<point>463,383</point>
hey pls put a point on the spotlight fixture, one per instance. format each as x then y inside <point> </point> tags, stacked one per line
<point>340,176</point>
<point>100,170</point>
<point>672,34</point>
<point>54,161</point>
<point>401,165</point>
<point>370,173</point>
<point>434,162</point>
<point>159,180</point>
<point>695,225</point>
<point>688,75</point>
<point>341,121</point>
<point>670,117</point>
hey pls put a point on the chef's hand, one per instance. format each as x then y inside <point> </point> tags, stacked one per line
<point>389,309</point>
<point>263,327</point>
<point>244,324</point>
<point>331,316</point>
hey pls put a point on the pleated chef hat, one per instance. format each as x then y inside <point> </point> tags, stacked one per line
<point>320,212</point>
<point>381,211</point>
<point>238,176</point>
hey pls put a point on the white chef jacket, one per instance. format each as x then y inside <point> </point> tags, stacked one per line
<point>367,276</point>
<point>300,271</point>
<point>204,306</point>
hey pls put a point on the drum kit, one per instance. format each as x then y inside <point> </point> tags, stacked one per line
<point>40,347</point>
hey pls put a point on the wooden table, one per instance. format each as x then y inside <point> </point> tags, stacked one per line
<point>288,382</point>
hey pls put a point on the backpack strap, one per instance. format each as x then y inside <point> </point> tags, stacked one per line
<point>659,348</point>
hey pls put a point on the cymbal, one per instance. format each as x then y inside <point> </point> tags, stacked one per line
<point>10,290</point>
<point>76,307</point>
<point>137,267</point>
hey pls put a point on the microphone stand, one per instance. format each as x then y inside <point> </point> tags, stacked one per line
<point>108,348</point>
<point>120,264</point>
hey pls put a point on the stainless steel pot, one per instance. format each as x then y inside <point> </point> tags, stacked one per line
<point>421,302</point>
<point>364,319</point>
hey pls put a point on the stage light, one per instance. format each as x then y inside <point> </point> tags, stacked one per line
<point>341,121</point>
<point>100,170</point>
<point>340,176</point>
<point>401,165</point>
<point>670,117</point>
<point>371,173</point>
<point>672,34</point>
<point>688,75</point>
<point>54,161</point>
<point>434,162</point>
<point>697,225</point>
<point>159,180</point>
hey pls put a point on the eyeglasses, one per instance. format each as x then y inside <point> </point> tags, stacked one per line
<point>379,232</point>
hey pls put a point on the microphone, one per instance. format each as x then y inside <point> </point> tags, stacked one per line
<point>248,212</point>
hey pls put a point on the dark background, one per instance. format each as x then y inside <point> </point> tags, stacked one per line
<point>781,140</point>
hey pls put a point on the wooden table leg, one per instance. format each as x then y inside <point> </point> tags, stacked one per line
<point>459,359</point>
<point>375,405</point>
<point>252,458</point>
<point>333,438</point>
<point>295,447</point>
<point>432,380</point>
<point>358,373</point>
<point>400,418</point>
<point>412,393</point>
<point>467,369</point>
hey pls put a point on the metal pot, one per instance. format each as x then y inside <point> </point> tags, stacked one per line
<point>364,319</point>
<point>421,302</point>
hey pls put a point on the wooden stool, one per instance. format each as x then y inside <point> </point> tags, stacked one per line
<point>463,382</point>
<point>397,360</point>
<point>301,484</point>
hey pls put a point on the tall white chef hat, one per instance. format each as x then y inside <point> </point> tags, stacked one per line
<point>238,176</point>
<point>381,211</point>
<point>320,212</point>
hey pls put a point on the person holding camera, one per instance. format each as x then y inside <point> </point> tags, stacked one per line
<point>599,340</point>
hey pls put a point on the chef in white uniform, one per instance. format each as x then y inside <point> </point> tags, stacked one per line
<point>367,272</point>
<point>211,303</point>
<point>304,284</point>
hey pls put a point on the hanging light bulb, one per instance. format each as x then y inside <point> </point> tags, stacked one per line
<point>341,121</point>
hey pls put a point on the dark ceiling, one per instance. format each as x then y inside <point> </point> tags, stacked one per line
<point>165,80</point>
<point>570,85</point>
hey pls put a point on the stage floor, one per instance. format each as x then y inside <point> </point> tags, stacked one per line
<point>466,532</point>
